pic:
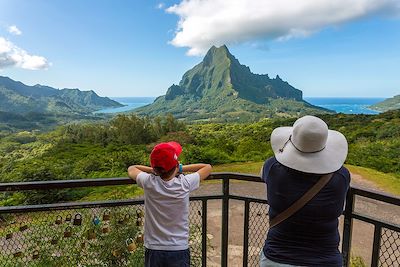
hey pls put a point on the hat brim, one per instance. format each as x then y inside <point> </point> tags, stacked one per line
<point>177,147</point>
<point>328,160</point>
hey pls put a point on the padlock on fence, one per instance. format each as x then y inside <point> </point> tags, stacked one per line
<point>18,254</point>
<point>140,238</point>
<point>91,234</point>
<point>139,222</point>
<point>106,215</point>
<point>23,227</point>
<point>139,213</point>
<point>116,253</point>
<point>59,219</point>
<point>68,218</point>
<point>96,220</point>
<point>68,231</point>
<point>77,219</point>
<point>105,229</point>
<point>130,245</point>
<point>54,241</point>
<point>9,235</point>
<point>35,254</point>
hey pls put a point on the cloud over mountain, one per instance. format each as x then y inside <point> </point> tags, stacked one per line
<point>13,56</point>
<point>204,23</point>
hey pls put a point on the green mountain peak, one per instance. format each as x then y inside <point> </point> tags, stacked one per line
<point>221,81</point>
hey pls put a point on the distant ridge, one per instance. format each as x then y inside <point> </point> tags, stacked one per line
<point>387,104</point>
<point>17,97</point>
<point>221,89</point>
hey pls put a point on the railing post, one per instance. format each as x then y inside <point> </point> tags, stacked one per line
<point>347,227</point>
<point>376,245</point>
<point>225,221</point>
<point>246,233</point>
<point>204,235</point>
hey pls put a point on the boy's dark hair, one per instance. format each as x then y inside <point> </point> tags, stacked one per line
<point>163,173</point>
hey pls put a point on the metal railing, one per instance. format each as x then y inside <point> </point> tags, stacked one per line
<point>109,233</point>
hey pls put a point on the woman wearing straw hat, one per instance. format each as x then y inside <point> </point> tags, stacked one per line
<point>306,190</point>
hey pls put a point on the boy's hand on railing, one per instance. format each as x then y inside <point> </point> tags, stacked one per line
<point>202,169</point>
<point>134,170</point>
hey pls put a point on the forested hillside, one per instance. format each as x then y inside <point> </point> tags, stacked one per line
<point>107,149</point>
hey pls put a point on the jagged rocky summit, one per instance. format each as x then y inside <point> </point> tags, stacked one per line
<point>221,89</point>
<point>17,97</point>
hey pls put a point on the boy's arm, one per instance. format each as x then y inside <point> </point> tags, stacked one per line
<point>202,169</point>
<point>134,170</point>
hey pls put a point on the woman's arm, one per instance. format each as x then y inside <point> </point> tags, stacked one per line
<point>202,169</point>
<point>134,170</point>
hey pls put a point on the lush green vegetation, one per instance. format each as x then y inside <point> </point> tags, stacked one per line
<point>106,149</point>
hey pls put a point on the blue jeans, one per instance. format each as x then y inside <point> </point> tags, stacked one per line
<point>265,262</point>
<point>167,258</point>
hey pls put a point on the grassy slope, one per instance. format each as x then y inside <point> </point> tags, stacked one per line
<point>389,183</point>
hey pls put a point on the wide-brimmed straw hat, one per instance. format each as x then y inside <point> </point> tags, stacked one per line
<point>309,146</point>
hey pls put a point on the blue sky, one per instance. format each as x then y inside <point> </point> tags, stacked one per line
<point>139,48</point>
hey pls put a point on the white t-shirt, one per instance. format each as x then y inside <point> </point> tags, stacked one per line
<point>166,223</point>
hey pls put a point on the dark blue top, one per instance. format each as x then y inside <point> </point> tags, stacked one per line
<point>310,237</point>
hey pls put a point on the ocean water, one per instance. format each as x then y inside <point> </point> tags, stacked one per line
<point>129,102</point>
<point>347,105</point>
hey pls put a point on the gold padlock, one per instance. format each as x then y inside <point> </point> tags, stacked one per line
<point>77,219</point>
<point>68,218</point>
<point>106,215</point>
<point>116,253</point>
<point>35,254</point>
<point>130,244</point>
<point>58,219</point>
<point>68,231</point>
<point>106,229</point>
<point>140,238</point>
<point>91,234</point>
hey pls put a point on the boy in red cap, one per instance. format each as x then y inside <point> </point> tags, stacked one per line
<point>166,196</point>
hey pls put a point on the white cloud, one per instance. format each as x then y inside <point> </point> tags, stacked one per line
<point>160,6</point>
<point>14,30</point>
<point>13,56</point>
<point>204,23</point>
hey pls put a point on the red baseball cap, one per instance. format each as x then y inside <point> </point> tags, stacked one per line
<point>165,155</point>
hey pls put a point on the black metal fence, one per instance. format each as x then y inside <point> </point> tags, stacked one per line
<point>110,233</point>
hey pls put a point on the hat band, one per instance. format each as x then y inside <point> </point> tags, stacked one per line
<point>290,140</point>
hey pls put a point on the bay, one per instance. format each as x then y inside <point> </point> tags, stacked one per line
<point>129,103</point>
<point>346,105</point>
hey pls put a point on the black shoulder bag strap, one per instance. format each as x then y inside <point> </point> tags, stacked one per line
<point>301,201</point>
